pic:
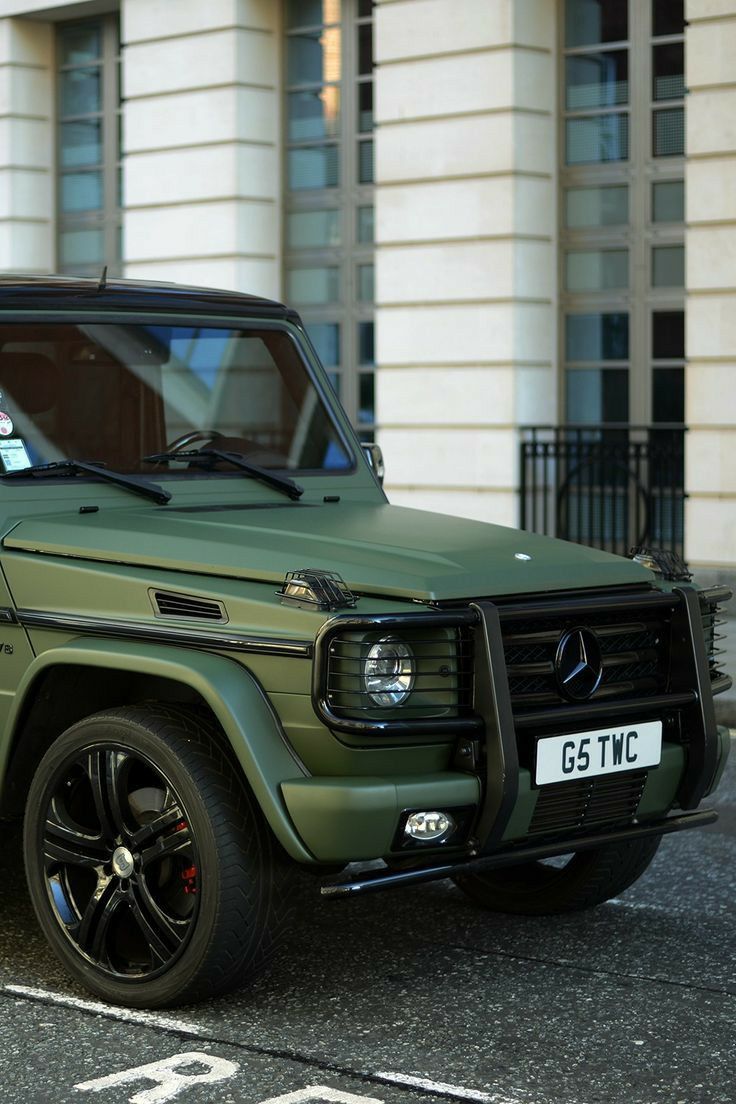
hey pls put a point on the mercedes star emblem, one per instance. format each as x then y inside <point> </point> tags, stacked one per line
<point>578,664</point>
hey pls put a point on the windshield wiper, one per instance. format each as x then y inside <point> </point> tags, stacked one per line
<point>278,482</point>
<point>58,467</point>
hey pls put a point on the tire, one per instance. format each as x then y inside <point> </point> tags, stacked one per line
<point>546,888</point>
<point>152,872</point>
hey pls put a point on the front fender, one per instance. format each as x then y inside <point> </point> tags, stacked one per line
<point>231,692</point>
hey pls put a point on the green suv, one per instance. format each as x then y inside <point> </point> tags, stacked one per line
<point>227,662</point>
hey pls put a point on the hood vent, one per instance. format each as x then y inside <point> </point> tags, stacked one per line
<point>167,603</point>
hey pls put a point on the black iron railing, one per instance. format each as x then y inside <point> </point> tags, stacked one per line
<point>612,486</point>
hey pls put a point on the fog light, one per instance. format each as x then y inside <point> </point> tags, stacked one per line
<point>434,826</point>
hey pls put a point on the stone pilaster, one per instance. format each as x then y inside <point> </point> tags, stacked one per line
<point>465,249</point>
<point>26,147</point>
<point>202,140</point>
<point>710,50</point>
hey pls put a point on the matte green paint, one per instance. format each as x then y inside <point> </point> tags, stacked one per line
<point>233,695</point>
<point>349,819</point>
<point>233,539</point>
<point>662,782</point>
<point>377,548</point>
<point>724,750</point>
<point>523,811</point>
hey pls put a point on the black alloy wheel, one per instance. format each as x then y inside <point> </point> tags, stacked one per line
<point>121,865</point>
<point>151,869</point>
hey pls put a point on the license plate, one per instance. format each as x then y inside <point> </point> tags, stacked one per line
<point>603,751</point>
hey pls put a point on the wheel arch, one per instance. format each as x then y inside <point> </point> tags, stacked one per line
<point>65,684</point>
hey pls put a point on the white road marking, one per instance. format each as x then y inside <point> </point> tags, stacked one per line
<point>446,1090</point>
<point>321,1092</point>
<point>637,905</point>
<point>128,1015</point>
<point>332,1096</point>
<point>166,1074</point>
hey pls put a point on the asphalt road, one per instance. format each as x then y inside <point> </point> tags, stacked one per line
<point>630,1003</point>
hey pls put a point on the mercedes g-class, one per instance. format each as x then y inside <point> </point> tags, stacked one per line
<point>227,660</point>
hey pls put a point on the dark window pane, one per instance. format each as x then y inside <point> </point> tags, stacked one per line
<point>310,13</point>
<point>668,17</point>
<point>313,57</point>
<point>78,247</point>
<point>668,201</point>
<point>669,132</point>
<point>606,206</point>
<point>365,162</point>
<point>80,144</point>
<point>313,167</point>
<point>668,335</point>
<point>588,22</point>
<point>81,92</point>
<point>597,80</point>
<point>365,283</point>
<point>367,398</point>
<point>596,395</point>
<point>365,106</point>
<point>312,229</point>
<point>80,44</point>
<point>81,191</point>
<point>597,138</point>
<point>313,114</point>
<point>668,266</point>
<point>335,381</point>
<point>668,67</point>
<point>365,8</point>
<point>597,336</point>
<point>365,224</point>
<point>325,337</point>
<point>366,353</point>
<point>596,269</point>
<point>365,49</point>
<point>668,395</point>
<point>313,286</point>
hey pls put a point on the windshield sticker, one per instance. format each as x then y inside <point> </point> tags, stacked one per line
<point>6,424</point>
<point>14,454</point>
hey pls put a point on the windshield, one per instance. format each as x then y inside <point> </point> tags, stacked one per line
<point>117,393</point>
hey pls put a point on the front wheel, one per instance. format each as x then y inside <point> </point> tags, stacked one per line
<point>151,870</point>
<point>566,884</point>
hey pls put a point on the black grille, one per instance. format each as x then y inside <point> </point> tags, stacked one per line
<point>587,804</point>
<point>170,604</point>
<point>634,650</point>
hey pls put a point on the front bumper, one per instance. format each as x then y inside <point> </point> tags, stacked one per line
<point>514,855</point>
<point>351,819</point>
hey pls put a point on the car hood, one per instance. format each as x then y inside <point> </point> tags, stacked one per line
<point>376,548</point>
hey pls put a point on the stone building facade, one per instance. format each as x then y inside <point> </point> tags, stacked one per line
<point>492,213</point>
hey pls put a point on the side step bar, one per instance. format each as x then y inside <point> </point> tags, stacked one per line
<point>378,879</point>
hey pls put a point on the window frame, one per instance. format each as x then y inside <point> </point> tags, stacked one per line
<point>641,234</point>
<point>108,218</point>
<point>347,197</point>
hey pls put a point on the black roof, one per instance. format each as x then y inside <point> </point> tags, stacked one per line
<point>79,293</point>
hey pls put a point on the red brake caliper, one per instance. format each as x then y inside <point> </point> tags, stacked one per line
<point>189,873</point>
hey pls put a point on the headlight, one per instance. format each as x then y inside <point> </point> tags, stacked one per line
<point>646,559</point>
<point>388,672</point>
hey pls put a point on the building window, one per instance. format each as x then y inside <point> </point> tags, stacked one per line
<point>88,146</point>
<point>622,211</point>
<point>328,218</point>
